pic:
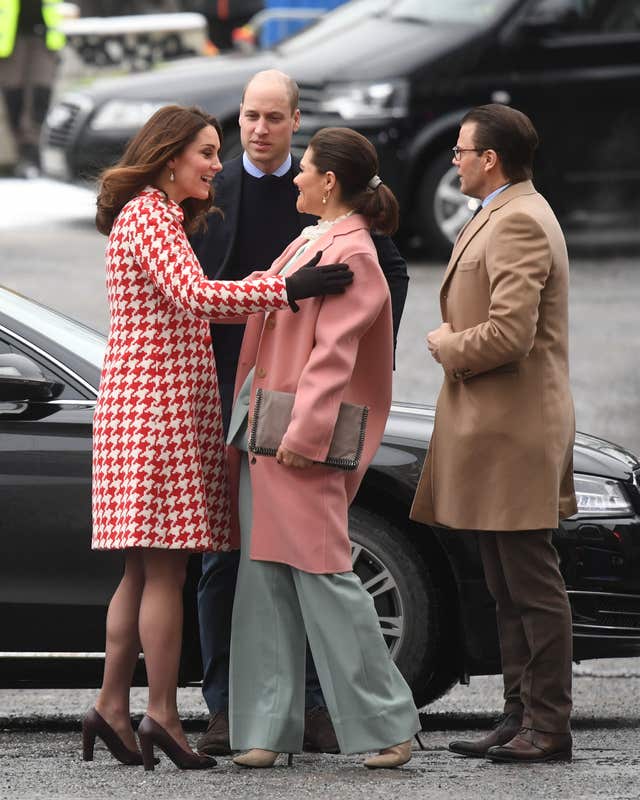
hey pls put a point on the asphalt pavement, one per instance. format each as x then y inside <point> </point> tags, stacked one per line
<point>40,752</point>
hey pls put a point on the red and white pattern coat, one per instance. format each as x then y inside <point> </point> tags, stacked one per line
<point>159,472</point>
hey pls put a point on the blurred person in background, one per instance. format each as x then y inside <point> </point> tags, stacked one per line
<point>258,196</point>
<point>223,16</point>
<point>29,43</point>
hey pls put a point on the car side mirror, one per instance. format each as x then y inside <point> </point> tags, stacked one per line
<point>22,379</point>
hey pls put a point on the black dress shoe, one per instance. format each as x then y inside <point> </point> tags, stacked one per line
<point>319,734</point>
<point>532,747</point>
<point>215,740</point>
<point>506,728</point>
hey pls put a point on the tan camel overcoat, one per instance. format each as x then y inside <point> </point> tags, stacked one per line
<point>501,454</point>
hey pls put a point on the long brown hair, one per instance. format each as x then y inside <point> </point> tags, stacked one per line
<point>354,161</point>
<point>162,137</point>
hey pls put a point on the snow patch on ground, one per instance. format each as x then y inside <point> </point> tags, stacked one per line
<point>40,201</point>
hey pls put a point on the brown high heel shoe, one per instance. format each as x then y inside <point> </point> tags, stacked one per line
<point>150,734</point>
<point>95,725</point>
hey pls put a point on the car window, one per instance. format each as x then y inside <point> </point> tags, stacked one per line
<point>588,16</point>
<point>623,17</point>
<point>344,17</point>
<point>70,392</point>
<point>459,11</point>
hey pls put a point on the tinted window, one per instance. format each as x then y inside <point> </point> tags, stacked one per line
<point>71,392</point>
<point>465,11</point>
<point>589,16</point>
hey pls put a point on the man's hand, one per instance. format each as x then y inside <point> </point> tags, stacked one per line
<point>435,337</point>
<point>290,459</point>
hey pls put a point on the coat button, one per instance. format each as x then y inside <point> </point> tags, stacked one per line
<point>262,372</point>
<point>270,324</point>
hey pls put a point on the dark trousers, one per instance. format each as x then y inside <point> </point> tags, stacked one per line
<point>216,590</point>
<point>534,625</point>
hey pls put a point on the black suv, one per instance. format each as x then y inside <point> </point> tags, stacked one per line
<point>403,72</point>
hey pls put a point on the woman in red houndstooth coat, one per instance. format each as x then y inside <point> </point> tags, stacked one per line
<point>159,474</point>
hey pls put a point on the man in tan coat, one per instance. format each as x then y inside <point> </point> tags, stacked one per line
<point>500,459</point>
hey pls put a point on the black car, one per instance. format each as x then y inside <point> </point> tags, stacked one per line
<point>434,608</point>
<point>403,72</point>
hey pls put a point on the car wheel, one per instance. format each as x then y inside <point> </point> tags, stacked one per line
<point>394,574</point>
<point>442,208</point>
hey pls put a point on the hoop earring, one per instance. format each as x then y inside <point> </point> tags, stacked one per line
<point>172,175</point>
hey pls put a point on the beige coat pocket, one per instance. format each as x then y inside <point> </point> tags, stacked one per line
<point>468,266</point>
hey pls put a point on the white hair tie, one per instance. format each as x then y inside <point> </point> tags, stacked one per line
<point>374,182</point>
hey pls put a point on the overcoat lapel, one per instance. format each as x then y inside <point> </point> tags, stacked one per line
<point>475,224</point>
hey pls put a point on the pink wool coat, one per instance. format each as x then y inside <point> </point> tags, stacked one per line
<point>335,348</point>
<point>159,470</point>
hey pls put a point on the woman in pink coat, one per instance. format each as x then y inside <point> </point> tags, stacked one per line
<point>159,473</point>
<point>295,579</point>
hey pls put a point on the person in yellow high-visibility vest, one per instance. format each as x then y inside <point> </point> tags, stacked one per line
<point>30,39</point>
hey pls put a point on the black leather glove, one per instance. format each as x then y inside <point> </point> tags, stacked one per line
<point>313,281</point>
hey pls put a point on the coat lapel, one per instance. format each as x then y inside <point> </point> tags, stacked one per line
<point>475,224</point>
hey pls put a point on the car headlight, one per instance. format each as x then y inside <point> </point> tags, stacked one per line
<point>380,100</point>
<point>124,115</point>
<point>600,497</point>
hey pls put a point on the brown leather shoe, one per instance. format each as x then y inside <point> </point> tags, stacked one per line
<point>531,747</point>
<point>319,735</point>
<point>506,728</point>
<point>215,740</point>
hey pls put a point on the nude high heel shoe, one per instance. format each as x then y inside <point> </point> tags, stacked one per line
<point>259,759</point>
<point>390,757</point>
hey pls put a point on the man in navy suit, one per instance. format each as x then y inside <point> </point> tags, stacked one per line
<point>257,196</point>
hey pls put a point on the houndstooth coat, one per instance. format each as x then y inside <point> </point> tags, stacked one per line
<point>159,473</point>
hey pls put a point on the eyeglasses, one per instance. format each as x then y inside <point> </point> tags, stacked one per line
<point>458,150</point>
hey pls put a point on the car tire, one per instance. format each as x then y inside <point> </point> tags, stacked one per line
<point>406,600</point>
<point>442,208</point>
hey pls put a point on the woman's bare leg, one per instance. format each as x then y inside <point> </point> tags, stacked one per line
<point>161,634</point>
<point>122,649</point>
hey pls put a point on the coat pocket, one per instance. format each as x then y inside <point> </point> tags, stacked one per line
<point>469,265</point>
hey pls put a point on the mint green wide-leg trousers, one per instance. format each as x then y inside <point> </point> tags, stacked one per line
<point>276,608</point>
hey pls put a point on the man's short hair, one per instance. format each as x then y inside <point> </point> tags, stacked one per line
<point>291,87</point>
<point>510,133</point>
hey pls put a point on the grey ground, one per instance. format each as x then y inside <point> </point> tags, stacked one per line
<point>40,752</point>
